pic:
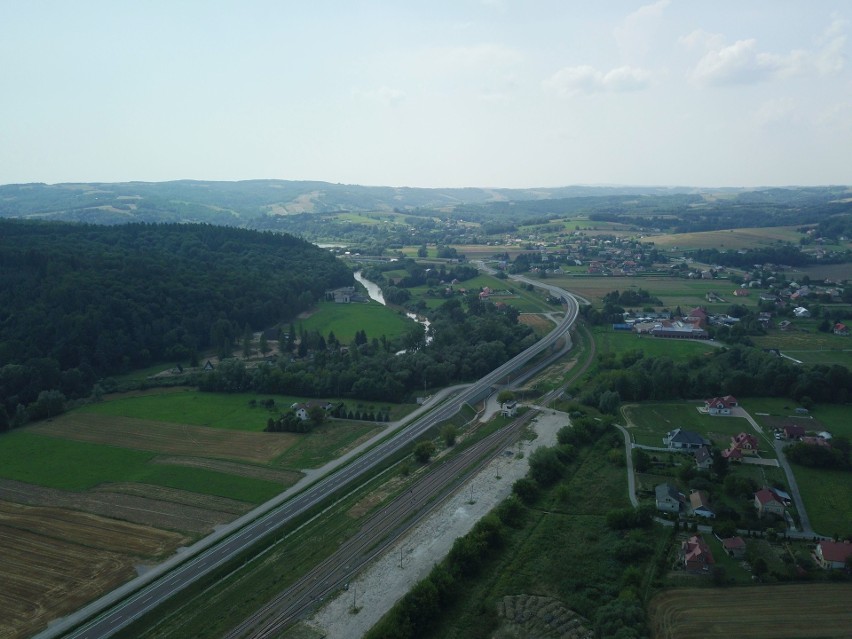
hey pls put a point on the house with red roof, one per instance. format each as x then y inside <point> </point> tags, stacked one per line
<point>741,444</point>
<point>794,431</point>
<point>768,501</point>
<point>841,329</point>
<point>720,405</point>
<point>734,547</point>
<point>833,555</point>
<point>696,554</point>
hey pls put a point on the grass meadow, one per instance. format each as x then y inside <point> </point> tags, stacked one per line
<point>346,319</point>
<point>77,466</point>
<point>610,341</point>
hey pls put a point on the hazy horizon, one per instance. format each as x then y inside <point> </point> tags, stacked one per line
<point>477,94</point>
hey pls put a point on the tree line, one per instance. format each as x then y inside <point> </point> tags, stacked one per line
<point>469,339</point>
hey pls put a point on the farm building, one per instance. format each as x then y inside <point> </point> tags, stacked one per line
<point>699,503</point>
<point>734,547</point>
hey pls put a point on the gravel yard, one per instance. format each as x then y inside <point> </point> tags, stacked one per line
<point>379,586</point>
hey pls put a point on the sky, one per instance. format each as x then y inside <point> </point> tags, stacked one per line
<point>431,93</point>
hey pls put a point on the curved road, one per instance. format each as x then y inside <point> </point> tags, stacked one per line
<point>113,618</point>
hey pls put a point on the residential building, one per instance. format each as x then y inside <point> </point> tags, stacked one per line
<point>833,555</point>
<point>734,546</point>
<point>720,405</point>
<point>794,431</point>
<point>741,444</point>
<point>684,440</point>
<point>767,501</point>
<point>699,503</point>
<point>668,498</point>
<point>704,458</point>
<point>696,553</point>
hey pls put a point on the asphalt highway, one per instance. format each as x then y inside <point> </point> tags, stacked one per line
<point>128,610</point>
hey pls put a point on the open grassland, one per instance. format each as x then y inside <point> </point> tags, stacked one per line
<point>780,411</point>
<point>326,442</point>
<point>828,498</point>
<point>610,341</point>
<point>836,272</point>
<point>217,410</point>
<point>809,345</point>
<point>733,239</point>
<point>672,291</point>
<point>804,611</point>
<point>56,560</point>
<point>167,438</point>
<point>344,320</point>
<point>27,456</point>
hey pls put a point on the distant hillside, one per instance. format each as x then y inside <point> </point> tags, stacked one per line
<point>238,203</point>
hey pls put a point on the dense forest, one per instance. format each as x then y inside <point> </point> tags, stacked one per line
<point>78,302</point>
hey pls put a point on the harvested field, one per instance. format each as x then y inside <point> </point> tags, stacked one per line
<point>283,477</point>
<point>539,323</point>
<point>140,510</point>
<point>92,531</point>
<point>45,578</point>
<point>164,493</point>
<point>170,439</point>
<point>765,612</point>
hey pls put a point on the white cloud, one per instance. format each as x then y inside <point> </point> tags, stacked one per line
<point>743,63</point>
<point>585,79</point>
<point>383,94</point>
<point>636,32</point>
<point>830,58</point>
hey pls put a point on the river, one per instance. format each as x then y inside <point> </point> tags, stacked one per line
<point>375,293</point>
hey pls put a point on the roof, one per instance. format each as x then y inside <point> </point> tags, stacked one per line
<point>696,549</point>
<point>667,490</point>
<point>794,430</point>
<point>686,437</point>
<point>733,543</point>
<point>835,550</point>
<point>703,454</point>
<point>764,496</point>
<point>727,401</point>
<point>699,499</point>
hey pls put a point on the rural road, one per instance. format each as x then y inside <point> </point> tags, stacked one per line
<point>122,607</point>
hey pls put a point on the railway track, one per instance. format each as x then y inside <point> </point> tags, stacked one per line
<point>377,534</point>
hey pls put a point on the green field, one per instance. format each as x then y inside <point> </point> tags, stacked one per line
<point>346,319</point>
<point>732,239</point>
<point>326,442</point>
<point>672,291</point>
<point>828,498</point>
<point>217,410</point>
<point>77,466</point>
<point>610,341</point>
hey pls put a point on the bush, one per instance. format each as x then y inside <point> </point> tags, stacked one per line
<point>526,489</point>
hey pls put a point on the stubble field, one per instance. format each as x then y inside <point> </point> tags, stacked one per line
<point>766,612</point>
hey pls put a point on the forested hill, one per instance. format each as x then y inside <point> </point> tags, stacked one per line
<point>81,301</point>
